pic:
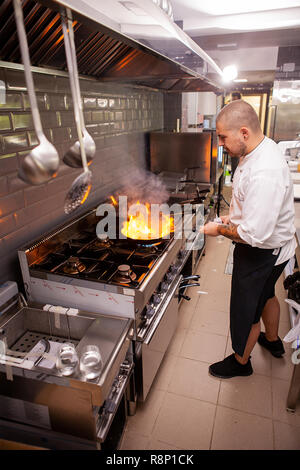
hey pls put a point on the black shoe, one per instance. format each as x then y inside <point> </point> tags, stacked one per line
<point>275,347</point>
<point>230,367</point>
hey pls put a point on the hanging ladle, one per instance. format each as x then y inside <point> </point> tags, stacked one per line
<point>42,163</point>
<point>81,187</point>
<point>73,155</point>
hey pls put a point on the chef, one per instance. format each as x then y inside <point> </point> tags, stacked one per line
<point>261,225</point>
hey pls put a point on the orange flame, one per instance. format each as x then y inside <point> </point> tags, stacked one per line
<point>113,201</point>
<point>85,196</point>
<point>142,226</point>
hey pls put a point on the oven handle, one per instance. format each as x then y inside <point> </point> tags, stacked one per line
<point>184,286</point>
<point>196,277</point>
<point>108,416</point>
<point>162,311</point>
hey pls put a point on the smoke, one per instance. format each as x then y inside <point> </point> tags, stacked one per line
<point>145,187</point>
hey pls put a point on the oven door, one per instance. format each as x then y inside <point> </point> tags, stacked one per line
<point>156,341</point>
<point>114,413</point>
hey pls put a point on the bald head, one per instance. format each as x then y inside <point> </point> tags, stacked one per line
<point>238,128</point>
<point>239,114</point>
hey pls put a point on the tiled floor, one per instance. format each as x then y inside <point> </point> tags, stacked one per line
<point>188,409</point>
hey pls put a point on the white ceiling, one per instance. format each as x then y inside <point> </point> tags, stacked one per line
<point>206,17</point>
<point>246,34</point>
<point>232,16</point>
<point>252,29</point>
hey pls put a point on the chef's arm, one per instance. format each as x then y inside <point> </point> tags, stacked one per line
<point>227,230</point>
<point>230,231</point>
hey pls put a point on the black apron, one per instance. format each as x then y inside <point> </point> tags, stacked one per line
<point>253,280</point>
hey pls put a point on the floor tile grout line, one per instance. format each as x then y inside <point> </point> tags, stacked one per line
<point>276,420</point>
<point>206,332</point>
<point>215,414</point>
<point>138,434</point>
<point>245,411</point>
<point>191,398</point>
<point>213,426</point>
<point>160,407</point>
<point>149,436</point>
<point>168,443</point>
<point>209,362</point>
<point>183,340</point>
<point>214,378</point>
<point>273,431</point>
<point>226,406</point>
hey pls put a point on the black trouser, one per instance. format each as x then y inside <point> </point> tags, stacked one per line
<point>253,282</point>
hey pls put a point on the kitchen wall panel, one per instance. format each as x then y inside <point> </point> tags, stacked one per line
<point>119,119</point>
<point>173,111</point>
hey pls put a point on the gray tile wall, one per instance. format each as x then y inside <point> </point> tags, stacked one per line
<point>172,107</point>
<point>119,119</point>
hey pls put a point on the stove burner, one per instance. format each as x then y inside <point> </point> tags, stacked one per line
<point>150,248</point>
<point>74,266</point>
<point>124,274</point>
<point>103,243</point>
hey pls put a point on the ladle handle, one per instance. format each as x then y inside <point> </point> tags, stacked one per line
<point>74,93</point>
<point>76,74</point>
<point>27,68</point>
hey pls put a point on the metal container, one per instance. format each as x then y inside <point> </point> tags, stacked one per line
<point>39,396</point>
<point>284,113</point>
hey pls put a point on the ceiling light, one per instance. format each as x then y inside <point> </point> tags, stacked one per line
<point>229,73</point>
<point>230,44</point>
<point>131,6</point>
<point>240,80</point>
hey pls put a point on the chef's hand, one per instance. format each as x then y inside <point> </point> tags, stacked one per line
<point>210,229</point>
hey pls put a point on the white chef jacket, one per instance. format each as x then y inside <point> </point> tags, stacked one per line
<point>262,203</point>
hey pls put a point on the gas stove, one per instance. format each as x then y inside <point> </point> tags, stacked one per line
<point>72,267</point>
<point>113,262</point>
<point>185,189</point>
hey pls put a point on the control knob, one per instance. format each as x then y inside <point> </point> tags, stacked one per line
<point>170,276</point>
<point>173,269</point>
<point>164,285</point>
<point>149,311</point>
<point>156,299</point>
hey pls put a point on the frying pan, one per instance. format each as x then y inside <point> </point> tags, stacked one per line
<point>145,241</point>
<point>137,241</point>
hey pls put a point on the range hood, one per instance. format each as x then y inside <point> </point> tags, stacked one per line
<point>158,55</point>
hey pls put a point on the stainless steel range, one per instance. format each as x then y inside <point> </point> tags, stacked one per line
<point>72,267</point>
